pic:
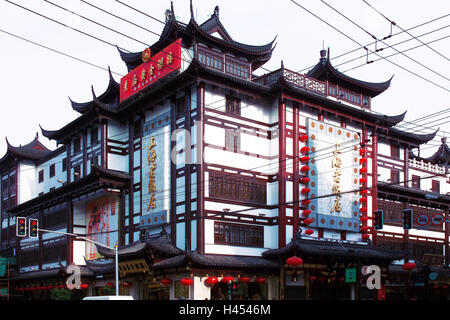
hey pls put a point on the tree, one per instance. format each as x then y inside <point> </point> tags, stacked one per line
<point>60,294</point>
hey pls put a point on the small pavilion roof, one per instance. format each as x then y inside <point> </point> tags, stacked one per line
<point>325,71</point>
<point>33,150</point>
<point>173,29</point>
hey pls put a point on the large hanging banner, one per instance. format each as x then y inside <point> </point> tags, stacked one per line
<point>156,171</point>
<point>334,174</point>
<point>102,216</point>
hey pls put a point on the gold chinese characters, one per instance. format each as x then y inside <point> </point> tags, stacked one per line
<point>336,163</point>
<point>151,161</point>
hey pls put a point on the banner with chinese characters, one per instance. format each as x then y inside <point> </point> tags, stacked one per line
<point>151,70</point>
<point>102,217</point>
<point>156,170</point>
<point>334,174</point>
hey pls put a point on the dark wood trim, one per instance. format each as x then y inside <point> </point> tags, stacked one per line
<point>201,168</point>
<point>69,242</point>
<point>131,184</point>
<point>84,139</point>
<point>173,175</point>
<point>282,173</point>
<point>374,190</point>
<point>236,116</point>
<point>188,165</point>
<point>246,153</point>
<point>296,178</point>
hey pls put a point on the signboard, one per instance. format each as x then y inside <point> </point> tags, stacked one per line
<point>422,219</point>
<point>156,169</point>
<point>154,219</point>
<point>155,68</point>
<point>334,170</point>
<point>101,223</point>
<point>350,275</point>
<point>437,219</point>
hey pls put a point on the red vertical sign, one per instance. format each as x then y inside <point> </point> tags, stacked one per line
<point>160,65</point>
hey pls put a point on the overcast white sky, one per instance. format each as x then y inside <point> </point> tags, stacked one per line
<point>35,83</point>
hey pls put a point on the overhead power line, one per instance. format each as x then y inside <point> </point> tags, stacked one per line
<point>395,24</point>
<point>395,34</point>
<point>382,41</point>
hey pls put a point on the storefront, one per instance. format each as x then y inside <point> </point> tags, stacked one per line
<point>320,269</point>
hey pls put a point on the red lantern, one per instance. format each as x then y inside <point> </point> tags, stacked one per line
<point>362,151</point>
<point>312,278</point>
<point>365,236</point>
<point>306,190</point>
<point>227,279</point>
<point>321,279</point>
<point>341,279</point>
<point>50,287</point>
<point>260,280</point>
<point>304,169</point>
<point>244,279</point>
<point>309,232</point>
<point>305,180</point>
<point>362,180</point>
<point>110,284</point>
<point>364,228</point>
<point>186,281</point>
<point>363,209</point>
<point>306,202</point>
<point>294,261</point>
<point>304,149</point>
<point>211,280</point>
<point>444,286</point>
<point>307,221</point>
<point>364,218</point>
<point>409,266</point>
<point>306,212</point>
<point>363,191</point>
<point>127,284</point>
<point>166,281</point>
<point>84,286</point>
<point>304,159</point>
<point>363,199</point>
<point>362,160</point>
<point>303,138</point>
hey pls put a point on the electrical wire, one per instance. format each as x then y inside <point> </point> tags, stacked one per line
<point>353,40</point>
<point>403,30</point>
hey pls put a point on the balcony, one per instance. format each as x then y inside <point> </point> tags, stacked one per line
<point>325,89</point>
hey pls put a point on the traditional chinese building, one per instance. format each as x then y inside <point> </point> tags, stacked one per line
<point>210,178</point>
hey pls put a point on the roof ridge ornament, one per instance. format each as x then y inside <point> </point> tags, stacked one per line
<point>192,10</point>
<point>216,12</point>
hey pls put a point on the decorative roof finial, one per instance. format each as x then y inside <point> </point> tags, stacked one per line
<point>444,140</point>
<point>192,11</point>
<point>216,11</point>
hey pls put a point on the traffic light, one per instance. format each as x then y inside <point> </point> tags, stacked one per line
<point>378,219</point>
<point>407,218</point>
<point>34,225</point>
<point>21,227</point>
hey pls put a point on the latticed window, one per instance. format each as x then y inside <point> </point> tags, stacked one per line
<point>238,234</point>
<point>232,105</point>
<point>238,188</point>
